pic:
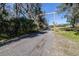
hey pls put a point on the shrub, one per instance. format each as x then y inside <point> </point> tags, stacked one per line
<point>16,27</point>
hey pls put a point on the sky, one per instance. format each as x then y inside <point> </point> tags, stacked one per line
<point>50,7</point>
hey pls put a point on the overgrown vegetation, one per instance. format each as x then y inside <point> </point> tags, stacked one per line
<point>18,19</point>
<point>71,12</point>
<point>68,33</point>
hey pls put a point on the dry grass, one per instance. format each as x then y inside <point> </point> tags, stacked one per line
<point>65,46</point>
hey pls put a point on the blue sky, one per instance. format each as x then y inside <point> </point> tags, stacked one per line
<point>50,7</point>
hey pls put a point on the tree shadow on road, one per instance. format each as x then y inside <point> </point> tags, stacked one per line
<point>30,35</point>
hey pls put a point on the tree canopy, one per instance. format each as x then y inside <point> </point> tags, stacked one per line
<point>71,11</point>
<point>20,18</point>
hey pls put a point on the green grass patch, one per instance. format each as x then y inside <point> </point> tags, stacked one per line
<point>70,35</point>
<point>4,37</point>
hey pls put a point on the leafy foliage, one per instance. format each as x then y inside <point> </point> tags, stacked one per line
<point>20,19</point>
<point>71,11</point>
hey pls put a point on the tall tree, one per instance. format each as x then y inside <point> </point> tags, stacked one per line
<point>34,10</point>
<point>71,11</point>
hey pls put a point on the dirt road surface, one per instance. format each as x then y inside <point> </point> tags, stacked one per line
<point>45,44</point>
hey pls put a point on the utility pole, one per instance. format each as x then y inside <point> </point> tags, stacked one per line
<point>54,23</point>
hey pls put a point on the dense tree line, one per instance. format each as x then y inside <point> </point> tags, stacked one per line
<point>18,18</point>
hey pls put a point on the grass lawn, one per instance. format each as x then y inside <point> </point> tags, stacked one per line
<point>70,34</point>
